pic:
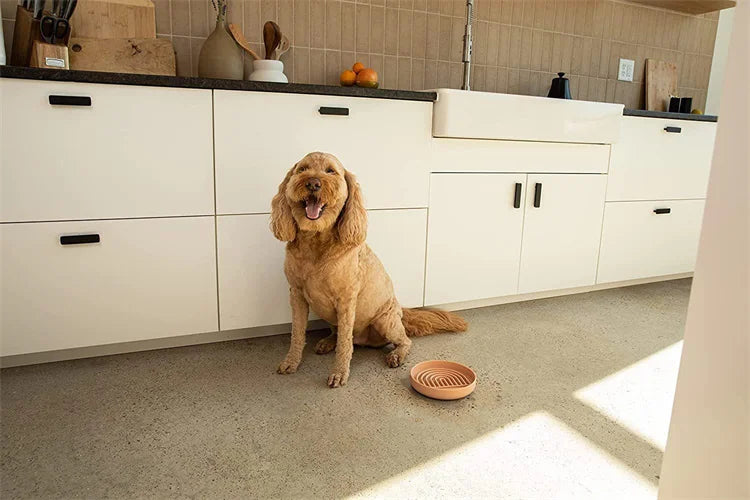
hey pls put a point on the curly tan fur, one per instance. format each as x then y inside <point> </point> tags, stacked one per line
<point>320,212</point>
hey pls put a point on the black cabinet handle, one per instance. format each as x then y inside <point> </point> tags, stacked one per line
<point>517,196</point>
<point>673,130</point>
<point>327,110</point>
<point>79,239</point>
<point>662,210</point>
<point>69,100</point>
<point>537,195</point>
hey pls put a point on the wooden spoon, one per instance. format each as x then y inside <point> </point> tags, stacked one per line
<point>242,41</point>
<point>283,46</point>
<point>271,37</point>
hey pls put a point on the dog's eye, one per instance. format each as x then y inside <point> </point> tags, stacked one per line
<point>330,170</point>
<point>301,169</point>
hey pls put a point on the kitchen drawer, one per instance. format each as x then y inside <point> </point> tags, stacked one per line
<point>650,163</point>
<point>253,290</point>
<point>473,155</point>
<point>259,136</point>
<point>146,278</point>
<point>134,152</point>
<point>639,243</point>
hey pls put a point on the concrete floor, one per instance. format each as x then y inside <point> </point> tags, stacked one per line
<point>217,421</point>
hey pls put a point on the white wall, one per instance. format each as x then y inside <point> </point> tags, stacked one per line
<point>708,449</point>
<point>718,64</point>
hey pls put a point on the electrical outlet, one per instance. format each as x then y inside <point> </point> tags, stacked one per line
<point>627,68</point>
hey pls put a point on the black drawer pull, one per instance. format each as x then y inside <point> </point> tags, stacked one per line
<point>517,196</point>
<point>662,210</point>
<point>538,195</point>
<point>79,239</point>
<point>674,130</point>
<point>69,100</point>
<point>326,110</point>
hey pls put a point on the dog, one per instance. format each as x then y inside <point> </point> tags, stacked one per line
<point>320,213</point>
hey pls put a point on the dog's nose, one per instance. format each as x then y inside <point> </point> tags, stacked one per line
<point>313,184</point>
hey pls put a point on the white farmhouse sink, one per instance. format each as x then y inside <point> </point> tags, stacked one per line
<point>489,115</point>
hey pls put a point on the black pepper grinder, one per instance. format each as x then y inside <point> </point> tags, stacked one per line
<point>560,88</point>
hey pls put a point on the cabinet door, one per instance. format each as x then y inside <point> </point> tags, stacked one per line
<point>143,279</point>
<point>398,238</point>
<point>561,231</point>
<point>474,236</point>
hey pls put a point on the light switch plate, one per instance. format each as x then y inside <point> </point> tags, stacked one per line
<point>627,68</point>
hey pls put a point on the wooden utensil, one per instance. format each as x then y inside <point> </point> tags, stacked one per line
<point>661,82</point>
<point>271,37</point>
<point>283,46</point>
<point>242,41</point>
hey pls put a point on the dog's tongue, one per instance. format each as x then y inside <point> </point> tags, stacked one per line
<point>313,208</point>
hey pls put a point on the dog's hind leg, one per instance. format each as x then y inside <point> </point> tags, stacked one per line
<point>389,325</point>
<point>327,344</point>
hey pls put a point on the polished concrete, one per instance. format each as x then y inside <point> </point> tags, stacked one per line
<point>217,421</point>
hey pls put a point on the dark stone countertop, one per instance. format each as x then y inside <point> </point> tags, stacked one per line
<point>670,116</point>
<point>59,75</point>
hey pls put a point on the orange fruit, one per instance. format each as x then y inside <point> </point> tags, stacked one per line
<point>367,78</point>
<point>358,66</point>
<point>347,78</point>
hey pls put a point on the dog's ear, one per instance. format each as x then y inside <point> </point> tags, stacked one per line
<point>352,223</point>
<point>283,226</point>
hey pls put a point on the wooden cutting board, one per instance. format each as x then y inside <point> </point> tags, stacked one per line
<point>150,56</point>
<point>115,18</point>
<point>661,82</point>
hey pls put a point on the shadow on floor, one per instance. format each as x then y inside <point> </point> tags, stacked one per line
<point>215,420</point>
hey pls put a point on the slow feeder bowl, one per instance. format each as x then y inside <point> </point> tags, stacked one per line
<point>443,379</point>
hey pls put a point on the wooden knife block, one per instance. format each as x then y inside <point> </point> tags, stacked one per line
<point>47,55</point>
<point>26,37</point>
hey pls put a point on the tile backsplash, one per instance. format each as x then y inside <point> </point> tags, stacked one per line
<point>519,45</point>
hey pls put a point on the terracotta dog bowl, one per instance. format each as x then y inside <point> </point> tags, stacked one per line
<point>443,379</point>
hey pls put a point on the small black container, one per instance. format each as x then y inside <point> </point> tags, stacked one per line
<point>560,88</point>
<point>674,105</point>
<point>686,104</point>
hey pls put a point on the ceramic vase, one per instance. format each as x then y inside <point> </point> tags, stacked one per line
<point>220,55</point>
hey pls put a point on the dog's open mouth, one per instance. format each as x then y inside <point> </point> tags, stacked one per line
<point>313,208</point>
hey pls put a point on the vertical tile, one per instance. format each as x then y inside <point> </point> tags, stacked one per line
<point>518,6</point>
<point>596,52</point>
<point>490,79</point>
<point>579,13</point>
<point>333,66</point>
<point>457,75</point>
<point>253,26</point>
<point>585,55</point>
<point>459,8</point>
<point>546,64</point>
<point>535,84</point>
<point>419,37</point>
<point>430,74</point>
<point>597,89</point>
<point>417,74</point>
<point>332,24</point>
<point>180,18</point>
<point>405,29</point>
<point>573,82</point>
<point>161,13</point>
<point>557,50</point>
<point>576,59</point>
<point>317,66</point>
<point>404,73</point>
<point>549,15</point>
<point>363,28</point>
<point>481,42</point>
<point>301,23</point>
<point>268,11</point>
<point>377,29</point>
<point>236,12</point>
<point>536,50</point>
<point>432,6</point>
<point>444,42</point>
<point>301,65</point>
<point>583,88</point>
<point>493,44</point>
<point>478,77</point>
<point>528,13</point>
<point>482,10</point>
<point>363,58</point>
<point>514,77</point>
<point>610,96</point>
<point>390,72</point>
<point>348,26</point>
<point>567,53</point>
<point>406,4</point>
<point>588,27</point>
<point>317,24</point>
<point>183,55</point>
<point>570,16</point>
<point>446,7</point>
<point>604,58</point>
<point>502,80</point>
<point>433,37</point>
<point>286,18</point>
<point>420,5</point>
<point>525,60</point>
<point>444,74</point>
<point>515,47</point>
<point>524,80</point>
<point>376,63</point>
<point>391,31</point>
<point>495,8</point>
<point>539,13</point>
<point>348,59</point>
<point>709,37</point>
<point>560,9</point>
<point>457,39</point>
<point>199,18</point>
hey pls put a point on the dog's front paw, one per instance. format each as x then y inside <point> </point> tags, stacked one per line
<point>337,379</point>
<point>287,366</point>
<point>324,346</point>
<point>394,359</point>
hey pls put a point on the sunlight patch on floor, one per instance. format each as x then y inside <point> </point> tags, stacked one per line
<point>639,397</point>
<point>535,457</point>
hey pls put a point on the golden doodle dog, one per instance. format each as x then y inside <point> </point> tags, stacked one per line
<point>320,213</point>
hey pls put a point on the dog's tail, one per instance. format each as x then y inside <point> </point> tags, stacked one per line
<point>421,322</point>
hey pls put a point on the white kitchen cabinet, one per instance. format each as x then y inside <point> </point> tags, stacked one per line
<point>661,159</point>
<point>474,236</point>
<point>108,151</point>
<point>144,279</point>
<point>561,231</point>
<point>260,136</point>
<point>253,290</point>
<point>649,238</point>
